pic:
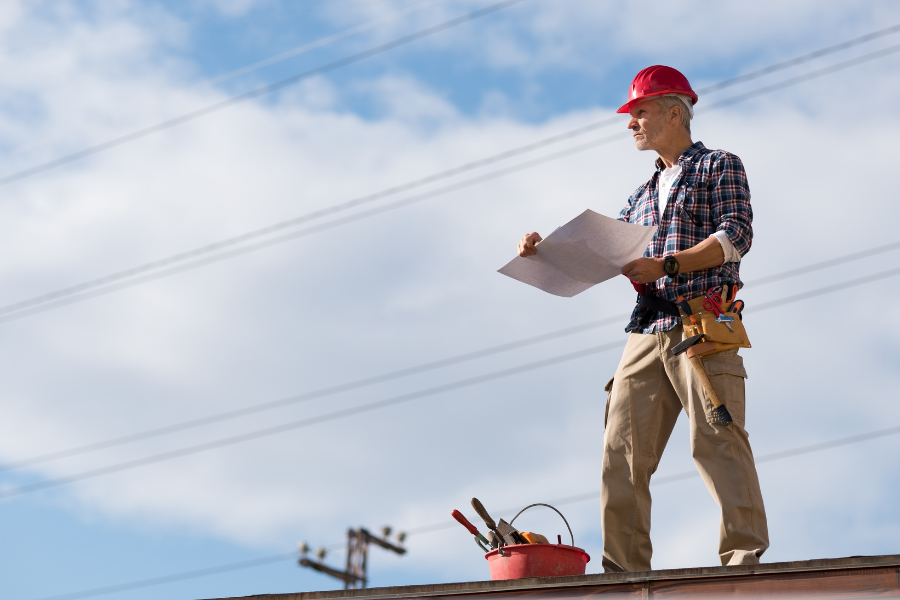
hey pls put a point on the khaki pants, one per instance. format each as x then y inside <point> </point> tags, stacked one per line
<point>650,389</point>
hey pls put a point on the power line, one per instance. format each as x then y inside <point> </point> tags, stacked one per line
<point>771,457</point>
<point>840,260</point>
<point>305,397</point>
<point>767,89</point>
<point>825,290</point>
<point>684,475</point>
<point>319,43</point>
<point>400,373</point>
<point>839,286</point>
<point>327,40</point>
<point>377,50</point>
<point>252,94</point>
<point>444,525</point>
<point>64,298</point>
<point>800,59</point>
<point>311,216</point>
<point>302,423</point>
<point>845,441</point>
<point>182,576</point>
<point>127,274</point>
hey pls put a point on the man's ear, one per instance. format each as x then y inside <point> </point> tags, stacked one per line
<point>675,117</point>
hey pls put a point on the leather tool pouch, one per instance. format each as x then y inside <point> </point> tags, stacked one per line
<point>715,333</point>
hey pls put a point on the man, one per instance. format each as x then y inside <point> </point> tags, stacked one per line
<point>700,200</point>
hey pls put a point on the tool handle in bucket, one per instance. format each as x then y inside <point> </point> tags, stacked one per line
<point>464,522</point>
<point>479,508</point>
<point>548,506</point>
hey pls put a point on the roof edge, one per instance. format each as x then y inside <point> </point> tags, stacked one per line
<point>476,587</point>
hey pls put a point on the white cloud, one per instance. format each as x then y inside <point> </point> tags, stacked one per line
<point>598,37</point>
<point>411,286</point>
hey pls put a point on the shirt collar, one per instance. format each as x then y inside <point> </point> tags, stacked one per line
<point>686,156</point>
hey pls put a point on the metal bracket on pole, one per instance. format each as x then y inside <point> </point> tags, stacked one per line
<point>358,541</point>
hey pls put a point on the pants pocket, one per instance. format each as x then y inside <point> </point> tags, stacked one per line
<point>727,373</point>
<point>608,389</point>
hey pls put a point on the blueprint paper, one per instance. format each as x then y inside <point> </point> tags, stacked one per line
<point>585,251</point>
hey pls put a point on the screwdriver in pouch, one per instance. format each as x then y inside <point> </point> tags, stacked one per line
<point>686,308</point>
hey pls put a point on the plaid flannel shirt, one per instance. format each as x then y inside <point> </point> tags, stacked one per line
<point>710,195</point>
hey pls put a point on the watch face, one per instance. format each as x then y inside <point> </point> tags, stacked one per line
<point>670,266</point>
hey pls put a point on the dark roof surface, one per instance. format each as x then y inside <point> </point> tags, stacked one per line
<point>856,576</point>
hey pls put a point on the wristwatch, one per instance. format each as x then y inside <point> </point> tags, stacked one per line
<point>670,266</point>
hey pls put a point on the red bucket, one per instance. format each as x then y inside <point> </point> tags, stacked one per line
<point>536,560</point>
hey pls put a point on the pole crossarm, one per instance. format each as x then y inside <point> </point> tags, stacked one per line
<point>383,543</point>
<point>355,575</point>
<point>345,577</point>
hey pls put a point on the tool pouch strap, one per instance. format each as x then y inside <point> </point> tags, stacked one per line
<point>658,304</point>
<point>716,336</point>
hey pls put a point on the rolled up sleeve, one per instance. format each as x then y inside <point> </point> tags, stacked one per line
<point>728,249</point>
<point>625,213</point>
<point>730,201</point>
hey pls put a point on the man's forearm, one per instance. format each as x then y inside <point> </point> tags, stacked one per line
<point>705,255</point>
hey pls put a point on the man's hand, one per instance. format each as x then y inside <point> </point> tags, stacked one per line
<point>527,244</point>
<point>644,270</point>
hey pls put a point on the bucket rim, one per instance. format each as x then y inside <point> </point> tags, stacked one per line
<point>566,547</point>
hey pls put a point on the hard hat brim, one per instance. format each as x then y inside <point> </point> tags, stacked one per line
<point>626,108</point>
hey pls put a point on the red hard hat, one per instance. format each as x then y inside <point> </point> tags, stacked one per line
<point>657,81</point>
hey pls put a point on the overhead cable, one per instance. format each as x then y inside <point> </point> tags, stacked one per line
<point>684,475</point>
<point>302,423</point>
<point>252,94</point>
<point>799,60</point>
<point>200,257</point>
<point>825,264</point>
<point>403,398</point>
<point>182,576</point>
<point>319,43</point>
<point>305,397</point>
<point>61,298</point>
<point>768,89</point>
<point>836,287</point>
<point>306,218</point>
<point>385,47</point>
<point>400,373</point>
<point>294,52</point>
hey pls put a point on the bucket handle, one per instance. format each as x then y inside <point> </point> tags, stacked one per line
<point>548,506</point>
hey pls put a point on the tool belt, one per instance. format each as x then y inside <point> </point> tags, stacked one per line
<point>658,304</point>
<point>717,336</point>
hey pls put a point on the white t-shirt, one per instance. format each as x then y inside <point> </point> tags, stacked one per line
<point>667,177</point>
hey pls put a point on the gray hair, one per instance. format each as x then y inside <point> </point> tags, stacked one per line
<point>669,101</point>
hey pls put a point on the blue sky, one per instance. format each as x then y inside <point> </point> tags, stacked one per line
<point>408,286</point>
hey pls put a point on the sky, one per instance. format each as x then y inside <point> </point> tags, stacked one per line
<point>410,284</point>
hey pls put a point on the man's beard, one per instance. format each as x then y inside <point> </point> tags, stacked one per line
<point>645,142</point>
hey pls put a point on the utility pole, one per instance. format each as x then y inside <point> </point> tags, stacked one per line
<point>358,541</point>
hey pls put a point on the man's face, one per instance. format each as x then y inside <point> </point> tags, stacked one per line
<point>647,124</point>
